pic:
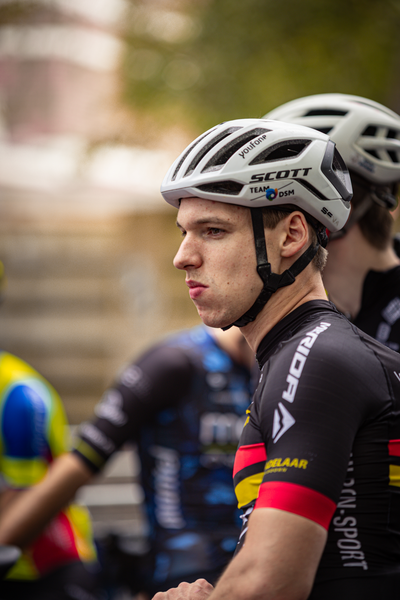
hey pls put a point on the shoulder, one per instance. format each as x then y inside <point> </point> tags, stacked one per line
<point>158,362</point>
<point>179,354</point>
<point>332,336</point>
<point>326,336</point>
<point>326,352</point>
<point>29,405</point>
<point>20,381</point>
<point>164,371</point>
<point>12,367</point>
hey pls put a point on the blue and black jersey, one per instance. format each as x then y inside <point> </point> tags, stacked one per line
<point>183,402</point>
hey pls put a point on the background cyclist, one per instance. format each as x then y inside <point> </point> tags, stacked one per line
<point>362,274</point>
<point>62,561</point>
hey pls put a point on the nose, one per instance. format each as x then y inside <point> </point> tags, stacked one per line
<point>188,256</point>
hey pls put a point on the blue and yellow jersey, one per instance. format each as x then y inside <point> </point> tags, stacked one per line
<point>33,432</point>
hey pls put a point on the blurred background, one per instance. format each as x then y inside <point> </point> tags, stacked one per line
<point>97,97</point>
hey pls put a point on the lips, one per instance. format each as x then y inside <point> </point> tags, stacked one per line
<point>195,288</point>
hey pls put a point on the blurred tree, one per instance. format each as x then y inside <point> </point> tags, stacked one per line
<point>18,11</point>
<point>214,60</point>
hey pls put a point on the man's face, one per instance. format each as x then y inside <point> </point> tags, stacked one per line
<point>219,258</point>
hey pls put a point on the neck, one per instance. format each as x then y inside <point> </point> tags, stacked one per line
<point>307,286</point>
<point>234,343</point>
<point>349,261</point>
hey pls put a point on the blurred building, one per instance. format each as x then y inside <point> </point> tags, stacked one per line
<point>86,240</point>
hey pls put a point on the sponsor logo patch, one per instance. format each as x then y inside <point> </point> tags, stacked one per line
<point>283,421</point>
<point>277,465</point>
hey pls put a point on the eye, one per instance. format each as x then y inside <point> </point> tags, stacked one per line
<point>215,230</point>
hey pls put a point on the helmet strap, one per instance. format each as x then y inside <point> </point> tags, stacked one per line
<point>272,281</point>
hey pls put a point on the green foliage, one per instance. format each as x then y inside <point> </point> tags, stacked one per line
<point>248,57</point>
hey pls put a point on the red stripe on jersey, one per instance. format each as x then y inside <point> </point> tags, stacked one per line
<point>55,546</point>
<point>296,499</point>
<point>249,455</point>
<point>394,447</point>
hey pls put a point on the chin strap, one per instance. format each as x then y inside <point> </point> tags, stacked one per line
<point>272,281</point>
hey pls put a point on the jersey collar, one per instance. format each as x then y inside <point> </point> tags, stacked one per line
<point>287,327</point>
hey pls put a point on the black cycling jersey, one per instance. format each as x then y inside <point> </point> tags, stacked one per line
<point>184,403</point>
<point>322,440</point>
<point>379,315</point>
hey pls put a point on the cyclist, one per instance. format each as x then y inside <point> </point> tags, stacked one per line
<point>362,274</point>
<point>62,561</point>
<point>315,471</point>
<point>183,402</point>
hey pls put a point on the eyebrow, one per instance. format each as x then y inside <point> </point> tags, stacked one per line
<point>205,221</point>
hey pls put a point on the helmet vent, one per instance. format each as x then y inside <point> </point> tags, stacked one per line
<point>388,151</point>
<point>373,153</point>
<point>311,188</point>
<point>281,151</point>
<point>223,155</point>
<point>233,188</point>
<point>188,151</point>
<point>205,149</point>
<point>325,112</point>
<point>370,131</point>
<point>393,156</point>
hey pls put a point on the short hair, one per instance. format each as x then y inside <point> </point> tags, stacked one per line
<point>271,218</point>
<point>376,224</point>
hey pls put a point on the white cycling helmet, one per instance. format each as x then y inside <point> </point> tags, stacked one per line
<point>263,163</point>
<point>257,162</point>
<point>366,133</point>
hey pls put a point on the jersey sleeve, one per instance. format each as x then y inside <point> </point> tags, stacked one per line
<point>161,378</point>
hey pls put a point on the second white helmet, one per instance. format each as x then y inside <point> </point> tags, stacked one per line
<point>367,134</point>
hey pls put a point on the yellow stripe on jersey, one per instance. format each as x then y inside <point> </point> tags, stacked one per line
<point>25,569</point>
<point>247,490</point>
<point>20,473</point>
<point>86,450</point>
<point>83,533</point>
<point>394,475</point>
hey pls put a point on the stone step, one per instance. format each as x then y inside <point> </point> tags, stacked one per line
<point>61,288</point>
<point>87,331</point>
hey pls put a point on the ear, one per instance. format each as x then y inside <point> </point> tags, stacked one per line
<point>296,234</point>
